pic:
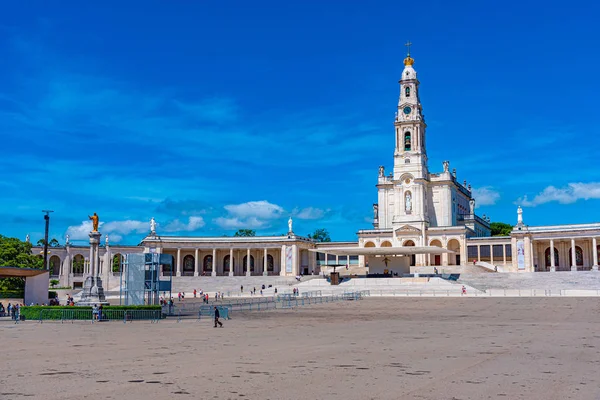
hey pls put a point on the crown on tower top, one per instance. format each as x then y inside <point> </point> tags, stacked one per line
<point>408,61</point>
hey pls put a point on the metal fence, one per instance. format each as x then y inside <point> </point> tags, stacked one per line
<point>75,314</point>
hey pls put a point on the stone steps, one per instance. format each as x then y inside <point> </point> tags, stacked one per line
<point>566,280</point>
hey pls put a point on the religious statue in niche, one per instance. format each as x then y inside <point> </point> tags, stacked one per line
<point>381,171</point>
<point>375,211</point>
<point>408,202</point>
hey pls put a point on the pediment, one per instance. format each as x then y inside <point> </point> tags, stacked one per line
<point>407,229</point>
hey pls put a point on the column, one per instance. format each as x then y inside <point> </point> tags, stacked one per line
<point>491,254</point>
<point>478,253</point>
<point>230,261</point>
<point>178,261</point>
<point>196,262</point>
<point>295,260</point>
<point>552,264</point>
<point>573,260</point>
<point>504,254</point>
<point>265,272</point>
<point>595,254</point>
<point>248,262</point>
<point>533,255</point>
<point>88,270</point>
<point>214,263</point>
<point>282,271</point>
<point>337,259</point>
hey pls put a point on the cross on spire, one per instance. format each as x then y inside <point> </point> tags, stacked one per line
<point>408,44</point>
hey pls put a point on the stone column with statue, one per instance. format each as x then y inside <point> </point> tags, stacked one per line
<point>93,292</point>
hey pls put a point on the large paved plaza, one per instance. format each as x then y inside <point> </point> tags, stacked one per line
<point>455,348</point>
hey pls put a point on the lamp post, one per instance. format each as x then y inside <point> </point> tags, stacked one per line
<point>47,218</point>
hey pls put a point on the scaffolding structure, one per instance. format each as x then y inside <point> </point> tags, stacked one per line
<point>142,280</point>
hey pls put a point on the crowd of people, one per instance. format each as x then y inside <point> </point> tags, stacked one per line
<point>11,310</point>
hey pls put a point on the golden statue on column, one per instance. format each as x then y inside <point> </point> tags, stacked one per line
<point>95,220</point>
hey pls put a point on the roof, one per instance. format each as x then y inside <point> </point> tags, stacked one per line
<point>383,251</point>
<point>11,272</point>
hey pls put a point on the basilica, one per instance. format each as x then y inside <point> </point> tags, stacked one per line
<point>423,222</point>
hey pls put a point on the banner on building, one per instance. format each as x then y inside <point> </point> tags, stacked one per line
<point>521,254</point>
<point>288,259</point>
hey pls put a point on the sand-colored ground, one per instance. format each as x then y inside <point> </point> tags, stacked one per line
<point>455,348</point>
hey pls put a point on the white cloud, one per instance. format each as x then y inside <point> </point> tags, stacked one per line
<point>311,213</point>
<point>81,231</point>
<point>485,196</point>
<point>259,209</point>
<point>114,229</point>
<point>126,227</point>
<point>237,223</point>
<point>193,224</point>
<point>250,215</point>
<point>565,195</point>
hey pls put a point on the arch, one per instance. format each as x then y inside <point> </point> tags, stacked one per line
<point>547,258</point>
<point>207,263</point>
<point>453,245</point>
<point>369,244</point>
<point>188,265</point>
<point>226,263</point>
<point>578,256</point>
<point>435,259</point>
<point>413,257</point>
<point>270,263</point>
<point>54,265</point>
<point>78,264</point>
<point>386,243</point>
<point>406,91</point>
<point>407,141</point>
<point>117,262</point>
<point>246,263</point>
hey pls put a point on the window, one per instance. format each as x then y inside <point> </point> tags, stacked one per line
<point>407,91</point>
<point>407,142</point>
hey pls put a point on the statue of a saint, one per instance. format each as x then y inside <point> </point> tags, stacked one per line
<point>375,211</point>
<point>381,171</point>
<point>106,240</point>
<point>446,165</point>
<point>95,220</point>
<point>408,202</point>
<point>67,239</point>
<point>152,225</point>
<point>27,238</point>
<point>290,225</point>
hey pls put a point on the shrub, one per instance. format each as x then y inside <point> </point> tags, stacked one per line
<point>84,313</point>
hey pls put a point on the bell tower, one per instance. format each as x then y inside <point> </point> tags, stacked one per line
<point>410,155</point>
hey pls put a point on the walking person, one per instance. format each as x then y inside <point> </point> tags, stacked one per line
<point>464,291</point>
<point>217,316</point>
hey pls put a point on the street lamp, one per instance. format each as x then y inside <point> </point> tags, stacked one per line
<point>47,218</point>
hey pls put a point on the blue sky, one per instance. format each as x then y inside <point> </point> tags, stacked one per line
<point>214,116</point>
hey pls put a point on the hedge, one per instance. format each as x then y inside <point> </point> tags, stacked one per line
<point>12,294</point>
<point>84,313</point>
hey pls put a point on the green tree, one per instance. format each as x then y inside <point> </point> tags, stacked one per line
<point>54,282</point>
<point>320,235</point>
<point>501,229</point>
<point>16,253</point>
<point>245,232</point>
<point>52,243</point>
